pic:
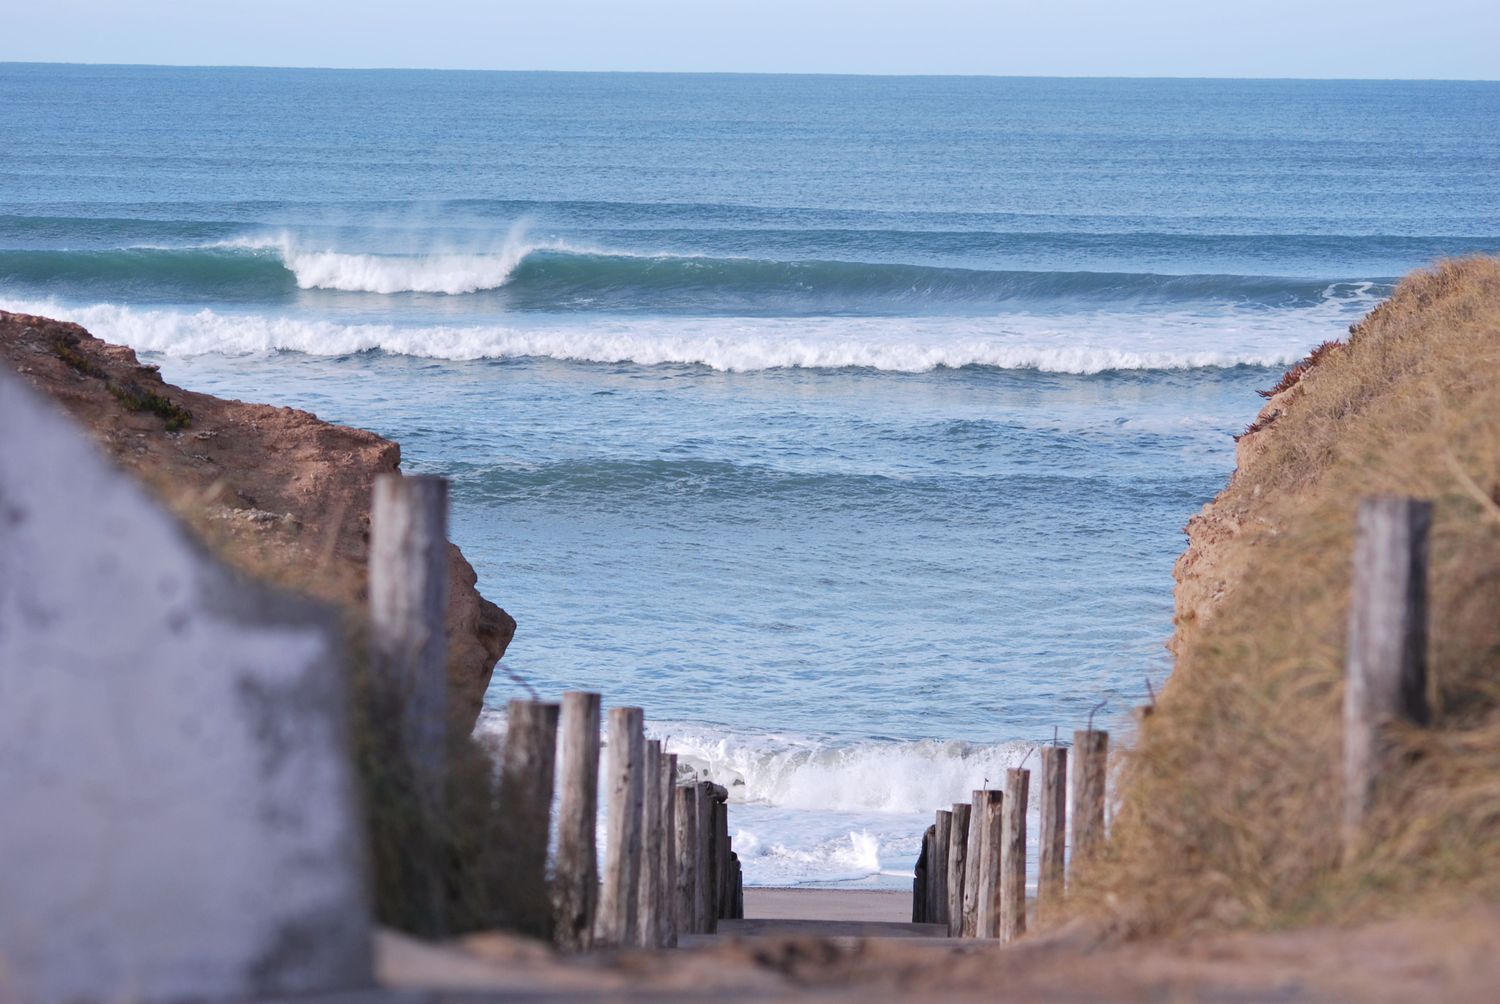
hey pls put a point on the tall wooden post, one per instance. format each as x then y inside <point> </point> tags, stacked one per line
<point>649,889</point>
<point>1051,841</point>
<point>576,879</point>
<point>973,856</point>
<point>618,915</point>
<point>987,917</point>
<point>666,911</point>
<point>958,850</point>
<point>687,858</point>
<point>1386,664</point>
<point>937,872</point>
<point>703,908</point>
<point>1090,770</point>
<point>525,803</point>
<point>1013,855</point>
<point>408,610</point>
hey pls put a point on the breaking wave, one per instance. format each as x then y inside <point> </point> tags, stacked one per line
<point>890,776</point>
<point>1081,344</point>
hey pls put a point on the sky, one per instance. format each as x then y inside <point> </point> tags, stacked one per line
<point>1448,39</point>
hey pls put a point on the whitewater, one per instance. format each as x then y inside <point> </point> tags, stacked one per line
<point>849,426</point>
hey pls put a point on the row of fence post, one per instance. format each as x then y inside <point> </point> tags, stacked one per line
<point>669,867</point>
<point>669,864</point>
<point>971,873</point>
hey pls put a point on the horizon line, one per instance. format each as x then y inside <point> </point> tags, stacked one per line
<point>743,73</point>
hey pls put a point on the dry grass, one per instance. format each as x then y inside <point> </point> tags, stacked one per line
<point>1227,812</point>
<point>442,863</point>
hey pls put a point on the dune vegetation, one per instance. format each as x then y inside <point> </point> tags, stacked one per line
<point>1227,805</point>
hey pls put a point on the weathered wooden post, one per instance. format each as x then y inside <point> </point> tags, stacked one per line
<point>921,886</point>
<point>575,888</point>
<point>408,587</point>
<point>1051,841</point>
<point>721,858</point>
<point>987,918</point>
<point>649,888</point>
<point>973,854</point>
<point>687,858</point>
<point>525,803</point>
<point>958,850</point>
<point>739,890</point>
<point>937,871</point>
<point>1090,769</point>
<point>1386,663</point>
<point>1013,855</point>
<point>618,916</point>
<point>667,852</point>
<point>703,908</point>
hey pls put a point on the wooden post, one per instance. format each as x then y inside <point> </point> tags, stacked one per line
<point>525,805</point>
<point>703,908</point>
<point>649,889</point>
<point>687,858</point>
<point>667,852</point>
<point>919,885</point>
<point>1013,855</point>
<point>1051,841</point>
<point>937,872</point>
<point>921,889</point>
<point>576,878</point>
<point>408,587</point>
<point>618,916</point>
<point>1090,768</point>
<point>987,917</point>
<point>1386,663</point>
<point>958,850</point>
<point>722,859</point>
<point>739,890</point>
<point>973,855</point>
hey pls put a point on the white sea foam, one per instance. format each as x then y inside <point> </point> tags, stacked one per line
<point>1090,342</point>
<point>868,776</point>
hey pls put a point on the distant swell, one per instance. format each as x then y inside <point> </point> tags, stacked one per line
<point>530,276</point>
<point>1070,344</point>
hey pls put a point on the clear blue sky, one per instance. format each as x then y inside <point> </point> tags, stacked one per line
<point>1265,38</point>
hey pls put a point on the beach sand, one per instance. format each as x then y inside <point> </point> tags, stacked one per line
<point>868,905</point>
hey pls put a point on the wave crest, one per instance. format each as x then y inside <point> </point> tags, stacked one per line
<point>452,273</point>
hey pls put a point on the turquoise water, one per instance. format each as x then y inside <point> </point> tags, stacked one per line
<point>848,425</point>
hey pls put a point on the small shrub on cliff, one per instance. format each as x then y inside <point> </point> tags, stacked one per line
<point>66,349</point>
<point>1290,378</point>
<point>136,398</point>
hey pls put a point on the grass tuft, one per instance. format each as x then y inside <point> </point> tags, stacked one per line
<point>137,398</point>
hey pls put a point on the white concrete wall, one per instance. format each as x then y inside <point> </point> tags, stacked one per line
<point>177,816</point>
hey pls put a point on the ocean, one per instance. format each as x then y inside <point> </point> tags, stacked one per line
<point>848,425</point>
